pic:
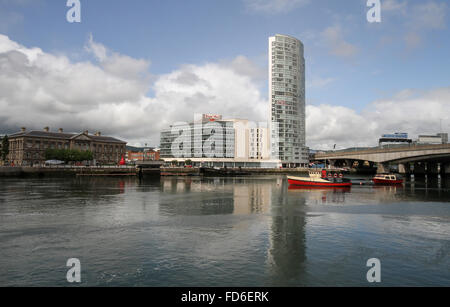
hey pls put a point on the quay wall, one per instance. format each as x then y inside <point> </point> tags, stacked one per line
<point>131,171</point>
<point>55,171</point>
<point>179,171</point>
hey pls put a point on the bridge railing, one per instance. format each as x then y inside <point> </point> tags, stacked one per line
<point>383,149</point>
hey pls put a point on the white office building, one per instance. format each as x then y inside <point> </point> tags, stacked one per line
<point>217,142</point>
<point>259,143</point>
<point>287,100</point>
<point>440,138</point>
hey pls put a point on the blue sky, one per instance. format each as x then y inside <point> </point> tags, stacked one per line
<point>350,63</point>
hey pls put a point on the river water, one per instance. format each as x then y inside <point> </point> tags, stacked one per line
<point>221,232</point>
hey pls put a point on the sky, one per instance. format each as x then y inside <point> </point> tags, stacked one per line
<point>131,68</point>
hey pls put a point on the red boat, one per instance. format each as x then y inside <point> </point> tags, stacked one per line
<point>387,180</point>
<point>320,179</point>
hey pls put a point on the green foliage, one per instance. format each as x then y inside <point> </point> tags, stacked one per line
<point>5,148</point>
<point>188,162</point>
<point>68,155</point>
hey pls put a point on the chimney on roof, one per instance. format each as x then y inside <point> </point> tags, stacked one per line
<point>46,129</point>
<point>23,129</point>
<point>98,133</point>
<point>86,132</point>
<point>60,130</point>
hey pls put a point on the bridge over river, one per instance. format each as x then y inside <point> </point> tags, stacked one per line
<point>417,159</point>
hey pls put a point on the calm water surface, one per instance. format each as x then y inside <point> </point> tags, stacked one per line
<point>221,232</point>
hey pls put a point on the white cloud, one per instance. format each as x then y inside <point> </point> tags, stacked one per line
<point>411,111</point>
<point>98,50</point>
<point>274,6</point>
<point>244,66</point>
<point>334,38</point>
<point>40,89</point>
<point>117,64</point>
<point>327,125</point>
<point>209,88</point>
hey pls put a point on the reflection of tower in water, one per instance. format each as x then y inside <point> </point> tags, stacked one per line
<point>252,197</point>
<point>287,239</point>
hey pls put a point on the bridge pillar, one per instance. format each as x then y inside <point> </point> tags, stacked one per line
<point>382,168</point>
<point>445,169</point>
<point>404,168</point>
<point>432,169</point>
<point>419,169</point>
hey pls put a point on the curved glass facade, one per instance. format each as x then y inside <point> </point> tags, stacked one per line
<point>287,99</point>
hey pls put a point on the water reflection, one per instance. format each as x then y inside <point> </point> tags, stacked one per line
<point>212,196</point>
<point>244,197</point>
<point>220,231</point>
<point>286,254</point>
<point>321,195</point>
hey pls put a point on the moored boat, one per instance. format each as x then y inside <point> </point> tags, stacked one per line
<point>387,179</point>
<point>320,179</point>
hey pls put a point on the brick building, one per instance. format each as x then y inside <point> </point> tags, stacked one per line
<point>28,147</point>
<point>135,154</point>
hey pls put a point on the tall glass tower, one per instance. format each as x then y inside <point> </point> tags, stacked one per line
<point>287,100</point>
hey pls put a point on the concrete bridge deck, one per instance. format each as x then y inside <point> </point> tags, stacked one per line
<point>401,155</point>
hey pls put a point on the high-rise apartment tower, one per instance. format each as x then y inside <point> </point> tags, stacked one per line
<point>287,100</point>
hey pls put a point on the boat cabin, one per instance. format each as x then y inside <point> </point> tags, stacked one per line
<point>386,177</point>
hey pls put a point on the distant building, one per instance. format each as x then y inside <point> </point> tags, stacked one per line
<point>191,138</point>
<point>395,138</point>
<point>440,138</point>
<point>28,147</point>
<point>214,141</point>
<point>251,142</point>
<point>136,154</point>
<point>259,143</point>
<point>444,137</point>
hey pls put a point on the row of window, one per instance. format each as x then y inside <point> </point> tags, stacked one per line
<point>39,156</point>
<point>17,145</point>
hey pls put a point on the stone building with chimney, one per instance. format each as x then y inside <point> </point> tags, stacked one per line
<point>28,148</point>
